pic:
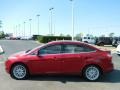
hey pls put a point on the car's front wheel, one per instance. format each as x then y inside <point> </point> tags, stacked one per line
<point>19,72</point>
<point>92,73</point>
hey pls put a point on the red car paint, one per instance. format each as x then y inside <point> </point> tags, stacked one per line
<point>62,63</point>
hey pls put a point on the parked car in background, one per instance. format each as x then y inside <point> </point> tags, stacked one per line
<point>12,38</point>
<point>61,57</point>
<point>7,38</point>
<point>90,40</point>
<point>118,49</point>
<point>26,38</point>
<point>116,41</point>
<point>101,41</point>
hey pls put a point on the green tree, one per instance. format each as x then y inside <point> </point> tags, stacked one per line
<point>102,35</point>
<point>79,36</point>
<point>111,34</point>
<point>68,35</point>
<point>2,35</point>
<point>62,34</point>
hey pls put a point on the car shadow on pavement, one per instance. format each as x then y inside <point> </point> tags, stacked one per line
<point>61,78</point>
<point>113,77</point>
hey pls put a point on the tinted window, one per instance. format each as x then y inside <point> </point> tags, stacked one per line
<point>88,37</point>
<point>69,48</point>
<point>54,49</point>
<point>76,49</point>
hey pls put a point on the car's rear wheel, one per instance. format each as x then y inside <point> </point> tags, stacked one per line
<point>19,72</point>
<point>92,73</point>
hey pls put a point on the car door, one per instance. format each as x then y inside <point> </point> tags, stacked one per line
<point>75,57</point>
<point>48,60</point>
<point>72,59</point>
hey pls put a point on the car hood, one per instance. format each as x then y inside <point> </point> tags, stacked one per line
<point>19,54</point>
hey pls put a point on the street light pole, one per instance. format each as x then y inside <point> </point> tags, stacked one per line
<point>24,29</point>
<point>38,22</point>
<point>51,21</point>
<point>0,24</point>
<point>30,26</point>
<point>19,30</point>
<point>72,3</point>
<point>16,30</point>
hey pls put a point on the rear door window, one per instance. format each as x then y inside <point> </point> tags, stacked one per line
<point>76,49</point>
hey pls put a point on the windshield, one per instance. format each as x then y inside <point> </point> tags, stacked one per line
<point>31,50</point>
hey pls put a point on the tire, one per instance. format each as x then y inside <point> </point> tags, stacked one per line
<point>92,73</point>
<point>85,41</point>
<point>19,72</point>
<point>101,44</point>
<point>118,54</point>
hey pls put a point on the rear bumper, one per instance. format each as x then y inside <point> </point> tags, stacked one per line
<point>109,68</point>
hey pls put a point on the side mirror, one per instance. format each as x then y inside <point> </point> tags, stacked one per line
<point>40,52</point>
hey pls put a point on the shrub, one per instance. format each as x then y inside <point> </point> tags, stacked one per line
<point>45,39</point>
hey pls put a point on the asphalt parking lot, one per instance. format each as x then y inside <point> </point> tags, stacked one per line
<point>110,81</point>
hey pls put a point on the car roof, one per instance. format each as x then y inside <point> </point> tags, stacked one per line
<point>65,41</point>
<point>72,42</point>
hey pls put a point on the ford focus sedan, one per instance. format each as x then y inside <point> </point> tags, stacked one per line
<point>60,57</point>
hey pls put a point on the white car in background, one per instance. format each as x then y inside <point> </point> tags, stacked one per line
<point>26,38</point>
<point>118,49</point>
<point>1,50</point>
<point>90,40</point>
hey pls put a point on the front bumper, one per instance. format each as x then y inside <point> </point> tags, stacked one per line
<point>7,66</point>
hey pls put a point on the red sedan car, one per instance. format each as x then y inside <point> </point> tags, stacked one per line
<point>60,57</point>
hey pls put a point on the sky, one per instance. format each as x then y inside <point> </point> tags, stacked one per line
<point>96,17</point>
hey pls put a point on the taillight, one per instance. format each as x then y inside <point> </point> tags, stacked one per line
<point>109,55</point>
<point>109,52</point>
